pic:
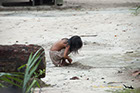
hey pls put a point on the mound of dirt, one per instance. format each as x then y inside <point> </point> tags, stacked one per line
<point>81,66</point>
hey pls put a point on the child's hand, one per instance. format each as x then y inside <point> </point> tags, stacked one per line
<point>70,60</point>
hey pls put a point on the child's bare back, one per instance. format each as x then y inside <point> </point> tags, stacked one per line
<point>61,44</point>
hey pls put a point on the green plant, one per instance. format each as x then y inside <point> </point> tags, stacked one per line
<point>126,91</point>
<point>136,10</point>
<point>23,80</point>
<point>36,75</point>
<point>11,78</point>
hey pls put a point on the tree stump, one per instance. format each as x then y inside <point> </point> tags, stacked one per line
<point>14,56</point>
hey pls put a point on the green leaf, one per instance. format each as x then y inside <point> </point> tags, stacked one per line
<point>26,73</point>
<point>30,57</point>
<point>136,10</point>
<point>18,74</point>
<point>11,74</point>
<point>35,59</point>
<point>21,67</point>
<point>16,79</point>
<point>35,55</point>
<point>32,84</point>
<point>34,68</point>
<point>37,84</point>
<point>1,85</point>
<point>28,63</point>
<point>9,81</point>
<point>3,74</point>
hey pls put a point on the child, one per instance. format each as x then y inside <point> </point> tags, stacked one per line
<point>60,50</point>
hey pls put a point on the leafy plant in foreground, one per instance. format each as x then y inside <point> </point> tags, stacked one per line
<point>126,91</point>
<point>23,80</point>
<point>136,10</point>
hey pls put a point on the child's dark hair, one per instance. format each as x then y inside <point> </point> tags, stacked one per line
<point>75,43</point>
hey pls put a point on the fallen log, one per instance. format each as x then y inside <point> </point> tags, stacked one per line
<point>14,56</point>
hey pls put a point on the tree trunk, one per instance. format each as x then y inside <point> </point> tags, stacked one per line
<point>13,56</point>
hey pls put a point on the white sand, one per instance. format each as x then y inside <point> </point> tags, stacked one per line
<point>101,57</point>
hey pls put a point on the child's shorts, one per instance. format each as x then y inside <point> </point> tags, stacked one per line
<point>57,56</point>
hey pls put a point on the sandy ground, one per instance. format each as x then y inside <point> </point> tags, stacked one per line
<point>110,53</point>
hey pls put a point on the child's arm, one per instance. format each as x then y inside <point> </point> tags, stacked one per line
<point>66,54</point>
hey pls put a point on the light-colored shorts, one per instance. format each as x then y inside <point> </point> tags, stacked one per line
<point>57,57</point>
